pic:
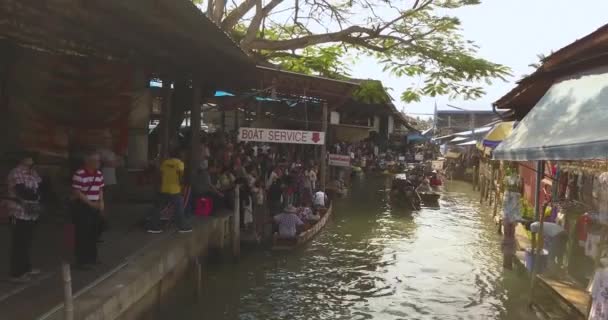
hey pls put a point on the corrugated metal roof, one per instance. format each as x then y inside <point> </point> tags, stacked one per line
<point>568,123</point>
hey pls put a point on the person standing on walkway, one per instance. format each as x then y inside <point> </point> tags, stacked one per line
<point>88,206</point>
<point>24,208</point>
<point>109,163</point>
<point>511,214</point>
<point>171,174</point>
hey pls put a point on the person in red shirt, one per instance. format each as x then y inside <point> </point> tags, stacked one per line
<point>87,191</point>
<point>435,181</point>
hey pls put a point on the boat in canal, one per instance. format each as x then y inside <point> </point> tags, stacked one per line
<point>403,189</point>
<point>430,199</point>
<point>303,237</point>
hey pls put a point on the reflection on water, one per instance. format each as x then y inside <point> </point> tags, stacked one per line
<point>373,261</point>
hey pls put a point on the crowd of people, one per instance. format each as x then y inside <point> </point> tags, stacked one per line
<point>274,182</point>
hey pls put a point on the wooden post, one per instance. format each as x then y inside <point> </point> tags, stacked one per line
<point>236,228</point>
<point>540,170</point>
<point>199,276</point>
<point>67,291</point>
<point>323,173</point>
<point>165,119</point>
<point>195,128</point>
<point>223,120</point>
<point>236,118</point>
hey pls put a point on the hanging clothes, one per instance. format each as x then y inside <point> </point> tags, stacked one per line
<point>599,295</point>
<point>603,197</point>
<point>592,244</point>
<point>511,214</point>
<point>511,203</point>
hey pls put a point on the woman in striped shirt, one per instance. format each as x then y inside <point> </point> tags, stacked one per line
<point>87,186</point>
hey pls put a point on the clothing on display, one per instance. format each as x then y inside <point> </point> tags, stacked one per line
<point>592,245</point>
<point>599,295</point>
<point>511,206</point>
<point>582,228</point>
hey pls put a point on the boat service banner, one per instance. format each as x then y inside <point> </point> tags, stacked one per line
<point>281,136</point>
<point>339,160</point>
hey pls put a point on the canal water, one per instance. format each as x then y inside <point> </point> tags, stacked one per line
<point>374,260</point>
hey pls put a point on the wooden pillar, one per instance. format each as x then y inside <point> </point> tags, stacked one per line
<point>195,128</point>
<point>223,119</point>
<point>165,119</point>
<point>323,173</point>
<point>537,240</point>
<point>68,303</point>
<point>236,231</point>
<point>139,119</point>
<point>236,118</point>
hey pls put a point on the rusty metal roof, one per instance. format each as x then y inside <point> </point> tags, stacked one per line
<point>581,54</point>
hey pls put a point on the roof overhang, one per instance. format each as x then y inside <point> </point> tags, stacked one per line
<point>568,123</point>
<point>166,36</point>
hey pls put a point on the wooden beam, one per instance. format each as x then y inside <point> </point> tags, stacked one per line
<point>323,173</point>
<point>195,129</point>
<point>165,121</point>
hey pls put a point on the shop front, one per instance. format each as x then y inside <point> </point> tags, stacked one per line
<point>565,132</point>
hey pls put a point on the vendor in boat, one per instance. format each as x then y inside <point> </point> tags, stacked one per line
<point>288,222</point>
<point>314,216</point>
<point>425,186</point>
<point>435,180</point>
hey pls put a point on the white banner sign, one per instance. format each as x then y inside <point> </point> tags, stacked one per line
<point>437,165</point>
<point>339,160</point>
<point>281,136</point>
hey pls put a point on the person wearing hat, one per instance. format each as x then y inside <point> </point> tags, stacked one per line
<point>288,222</point>
<point>24,208</point>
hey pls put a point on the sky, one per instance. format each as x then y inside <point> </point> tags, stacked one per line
<point>509,32</point>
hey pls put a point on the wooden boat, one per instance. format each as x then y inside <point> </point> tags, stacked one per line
<point>402,189</point>
<point>429,197</point>
<point>291,244</point>
<point>334,192</point>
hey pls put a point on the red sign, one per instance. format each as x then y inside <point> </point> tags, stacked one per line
<point>339,160</point>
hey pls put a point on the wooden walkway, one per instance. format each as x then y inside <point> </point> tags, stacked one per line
<point>576,298</point>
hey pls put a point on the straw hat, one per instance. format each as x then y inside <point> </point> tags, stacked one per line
<point>290,209</point>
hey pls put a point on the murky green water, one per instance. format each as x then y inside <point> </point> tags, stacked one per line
<point>373,261</point>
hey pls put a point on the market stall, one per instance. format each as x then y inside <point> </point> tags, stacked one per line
<point>568,124</point>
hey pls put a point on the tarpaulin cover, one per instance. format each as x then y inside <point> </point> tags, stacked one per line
<point>468,143</point>
<point>568,123</point>
<point>498,134</point>
<point>453,155</point>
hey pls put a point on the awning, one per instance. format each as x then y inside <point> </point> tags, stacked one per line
<point>453,155</point>
<point>474,131</point>
<point>498,134</point>
<point>458,139</point>
<point>416,137</point>
<point>568,123</point>
<point>468,143</point>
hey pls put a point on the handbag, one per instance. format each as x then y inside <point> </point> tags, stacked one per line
<point>31,207</point>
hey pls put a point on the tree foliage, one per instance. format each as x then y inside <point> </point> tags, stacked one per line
<point>418,39</point>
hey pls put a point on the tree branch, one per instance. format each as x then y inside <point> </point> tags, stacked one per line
<point>237,14</point>
<point>405,14</point>
<point>256,22</point>
<point>302,42</point>
<point>218,10</point>
<point>210,9</point>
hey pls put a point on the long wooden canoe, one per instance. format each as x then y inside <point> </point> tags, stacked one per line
<point>291,244</point>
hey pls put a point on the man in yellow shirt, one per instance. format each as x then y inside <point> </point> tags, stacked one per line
<point>171,174</point>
